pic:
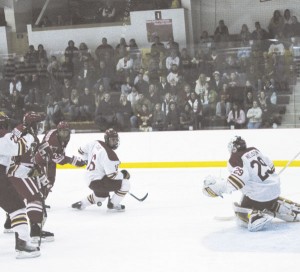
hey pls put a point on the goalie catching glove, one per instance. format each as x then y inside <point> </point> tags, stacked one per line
<point>125,173</point>
<point>214,187</point>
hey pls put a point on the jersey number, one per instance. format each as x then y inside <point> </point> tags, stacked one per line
<point>263,175</point>
<point>92,166</point>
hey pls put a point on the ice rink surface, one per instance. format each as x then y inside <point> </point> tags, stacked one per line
<point>173,230</point>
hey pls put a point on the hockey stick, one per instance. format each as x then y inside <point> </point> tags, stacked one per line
<point>288,164</point>
<point>139,199</point>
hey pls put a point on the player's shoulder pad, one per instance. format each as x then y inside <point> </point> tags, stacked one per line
<point>110,153</point>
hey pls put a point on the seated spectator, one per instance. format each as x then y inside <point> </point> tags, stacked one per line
<point>45,22</point>
<point>108,12</point>
<point>124,68</point>
<point>295,27</point>
<point>254,116</point>
<point>133,97</point>
<point>163,86</point>
<point>141,84</point>
<point>126,86</point>
<point>200,84</point>
<point>137,108</point>
<point>31,55</point>
<point>74,105</point>
<point>236,118</point>
<point>248,100</point>
<point>121,49</point>
<point>144,118</point>
<point>171,45</point>
<point>87,105</point>
<point>153,95</point>
<point>105,115</point>
<point>222,108</point>
<point>186,65</point>
<point>158,118</point>
<point>186,117</point>
<point>172,59</point>
<point>86,76</point>
<point>173,76</point>
<point>199,62</point>
<point>53,113</point>
<point>133,49</point>
<point>123,113</point>
<point>208,100</point>
<point>172,118</point>
<point>196,105</point>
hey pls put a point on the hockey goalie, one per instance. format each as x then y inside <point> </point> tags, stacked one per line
<point>254,175</point>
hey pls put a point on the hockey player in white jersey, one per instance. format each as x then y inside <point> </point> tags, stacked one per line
<point>254,174</point>
<point>102,173</point>
<point>14,144</point>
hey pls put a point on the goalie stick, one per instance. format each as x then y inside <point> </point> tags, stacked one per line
<point>139,199</point>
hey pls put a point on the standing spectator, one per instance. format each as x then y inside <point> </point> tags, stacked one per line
<point>104,48</point>
<point>276,24</point>
<point>71,50</point>
<point>245,35</point>
<point>221,33</point>
<point>254,116</point>
<point>157,48</point>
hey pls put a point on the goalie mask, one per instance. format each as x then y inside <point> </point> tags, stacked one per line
<point>111,138</point>
<point>63,132</point>
<point>236,144</point>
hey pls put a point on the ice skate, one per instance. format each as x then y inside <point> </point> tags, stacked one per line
<point>25,249</point>
<point>78,205</point>
<point>258,220</point>
<point>115,208</point>
<point>37,235</point>
<point>7,225</point>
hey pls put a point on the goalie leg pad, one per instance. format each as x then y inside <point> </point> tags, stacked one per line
<point>241,215</point>
<point>287,210</point>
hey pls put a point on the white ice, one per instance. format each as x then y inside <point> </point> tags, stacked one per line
<point>173,230</point>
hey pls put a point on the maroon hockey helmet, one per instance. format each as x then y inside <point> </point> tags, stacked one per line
<point>31,120</point>
<point>111,138</point>
<point>63,132</point>
<point>237,144</point>
<point>3,120</point>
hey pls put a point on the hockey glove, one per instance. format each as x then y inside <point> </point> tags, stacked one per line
<point>35,171</point>
<point>76,161</point>
<point>125,173</point>
<point>213,187</point>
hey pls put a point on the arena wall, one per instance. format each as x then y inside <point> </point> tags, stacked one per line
<point>194,148</point>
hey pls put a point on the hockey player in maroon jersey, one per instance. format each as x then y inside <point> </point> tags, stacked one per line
<point>51,151</point>
<point>13,144</point>
<point>103,174</point>
<point>254,174</point>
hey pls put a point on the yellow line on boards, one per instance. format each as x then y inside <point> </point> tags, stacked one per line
<point>197,164</point>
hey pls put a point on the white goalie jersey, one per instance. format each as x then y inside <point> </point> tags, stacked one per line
<point>253,174</point>
<point>102,161</point>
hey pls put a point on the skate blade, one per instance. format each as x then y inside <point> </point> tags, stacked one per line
<point>36,239</point>
<point>115,211</point>
<point>26,255</point>
<point>8,231</point>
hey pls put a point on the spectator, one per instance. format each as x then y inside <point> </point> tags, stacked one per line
<point>74,111</point>
<point>45,22</point>
<point>196,105</point>
<point>71,50</point>
<point>133,97</point>
<point>172,118</point>
<point>186,65</point>
<point>137,108</point>
<point>108,12</point>
<point>174,75</point>
<point>153,95</point>
<point>123,113</point>
<point>171,45</point>
<point>104,48</point>
<point>124,68</point>
<point>157,48</point>
<point>86,105</point>
<point>172,59</point>
<point>121,49</point>
<point>86,75</point>
<point>221,33</point>
<point>276,24</point>
<point>186,117</point>
<point>126,86</point>
<point>41,53</point>
<point>158,118</point>
<point>163,86</point>
<point>144,118</point>
<point>295,27</point>
<point>254,116</point>
<point>245,35</point>
<point>236,118</point>
<point>105,113</point>
<point>141,84</point>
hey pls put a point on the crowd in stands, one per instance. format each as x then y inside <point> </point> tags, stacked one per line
<point>169,88</point>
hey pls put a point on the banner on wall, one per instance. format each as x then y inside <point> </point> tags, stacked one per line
<point>162,28</point>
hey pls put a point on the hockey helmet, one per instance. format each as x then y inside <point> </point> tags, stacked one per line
<point>32,120</point>
<point>236,144</point>
<point>63,132</point>
<point>111,138</point>
<point>3,120</point>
